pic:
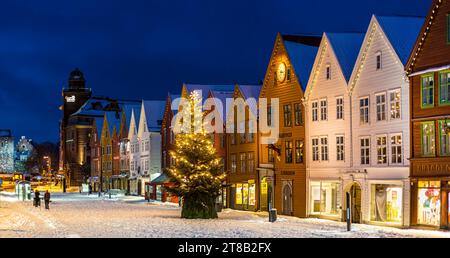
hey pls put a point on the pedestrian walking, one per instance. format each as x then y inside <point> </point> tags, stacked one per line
<point>37,199</point>
<point>47,200</point>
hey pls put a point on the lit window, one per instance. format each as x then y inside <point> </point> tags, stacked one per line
<point>396,149</point>
<point>394,101</point>
<point>444,88</point>
<point>287,115</point>
<point>324,148</point>
<point>381,107</point>
<point>298,151</point>
<point>381,150</point>
<point>288,151</point>
<point>233,163</point>
<point>428,139</point>
<point>298,114</point>
<point>444,138</point>
<point>243,161</point>
<point>427,90</point>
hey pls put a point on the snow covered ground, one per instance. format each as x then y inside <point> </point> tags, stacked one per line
<point>77,215</point>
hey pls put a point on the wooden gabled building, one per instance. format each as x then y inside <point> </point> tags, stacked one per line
<point>428,69</point>
<point>286,80</point>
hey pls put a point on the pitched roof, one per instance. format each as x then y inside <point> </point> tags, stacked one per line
<point>250,91</point>
<point>302,52</point>
<point>99,124</point>
<point>96,106</point>
<point>161,179</point>
<point>402,32</point>
<point>222,96</point>
<point>154,112</point>
<point>174,97</point>
<point>346,47</point>
<point>113,118</point>
<point>206,88</point>
<point>128,108</point>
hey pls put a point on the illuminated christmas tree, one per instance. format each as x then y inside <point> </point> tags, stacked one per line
<point>197,172</point>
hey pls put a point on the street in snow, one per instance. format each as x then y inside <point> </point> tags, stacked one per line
<point>74,215</point>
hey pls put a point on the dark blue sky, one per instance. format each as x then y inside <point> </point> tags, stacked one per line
<point>142,49</point>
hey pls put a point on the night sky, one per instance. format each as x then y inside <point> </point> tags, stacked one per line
<point>142,49</point>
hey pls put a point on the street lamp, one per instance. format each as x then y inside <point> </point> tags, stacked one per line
<point>272,212</point>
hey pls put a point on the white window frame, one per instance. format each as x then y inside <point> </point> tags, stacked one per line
<point>381,105</point>
<point>315,149</point>
<point>342,146</point>
<point>340,108</point>
<point>315,111</point>
<point>361,108</point>
<point>379,54</point>
<point>365,147</point>
<point>323,110</point>
<point>324,150</point>
<point>396,145</point>
<point>393,102</point>
<point>385,146</point>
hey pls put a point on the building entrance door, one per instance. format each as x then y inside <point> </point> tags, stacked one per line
<point>355,197</point>
<point>287,200</point>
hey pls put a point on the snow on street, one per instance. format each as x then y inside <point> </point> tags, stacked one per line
<point>75,215</point>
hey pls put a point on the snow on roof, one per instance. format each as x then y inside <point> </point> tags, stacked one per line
<point>154,112</point>
<point>346,47</point>
<point>302,56</point>
<point>222,96</point>
<point>96,106</point>
<point>402,32</point>
<point>161,179</point>
<point>206,88</point>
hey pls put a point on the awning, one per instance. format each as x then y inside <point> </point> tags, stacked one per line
<point>163,178</point>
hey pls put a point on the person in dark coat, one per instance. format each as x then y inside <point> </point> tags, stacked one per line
<point>37,199</point>
<point>47,200</point>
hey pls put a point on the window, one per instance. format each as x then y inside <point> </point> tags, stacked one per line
<point>315,149</point>
<point>428,203</point>
<point>243,161</point>
<point>314,109</point>
<point>381,107</point>
<point>287,115</point>
<point>428,139</point>
<point>269,116</point>
<point>340,148</point>
<point>386,203</point>
<point>396,149</point>
<point>298,151</point>
<point>448,27</point>
<point>222,140</point>
<point>365,151</point>
<point>325,198</point>
<point>288,75</point>
<point>394,101</point>
<point>250,134</point>
<point>324,148</point>
<point>381,150</point>
<point>242,134</point>
<point>378,60</point>
<point>288,151</point>
<point>444,138</point>
<point>340,108</point>
<point>250,162</point>
<point>323,110</point>
<point>444,88</point>
<point>364,110</point>
<point>328,72</point>
<point>233,138</point>
<point>427,90</point>
<point>298,114</point>
<point>233,163</point>
<point>270,156</point>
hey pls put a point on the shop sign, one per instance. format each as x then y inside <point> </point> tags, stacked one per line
<point>251,181</point>
<point>434,168</point>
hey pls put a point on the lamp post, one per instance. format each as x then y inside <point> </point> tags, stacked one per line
<point>272,212</point>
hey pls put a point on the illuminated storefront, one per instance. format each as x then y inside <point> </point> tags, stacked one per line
<point>244,195</point>
<point>325,198</point>
<point>429,203</point>
<point>386,203</point>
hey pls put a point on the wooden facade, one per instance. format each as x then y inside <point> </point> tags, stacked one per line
<point>287,177</point>
<point>430,119</point>
<point>244,187</point>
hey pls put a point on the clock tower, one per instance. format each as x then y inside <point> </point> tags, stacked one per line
<point>75,95</point>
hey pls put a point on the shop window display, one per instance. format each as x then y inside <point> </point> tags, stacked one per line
<point>429,203</point>
<point>245,195</point>
<point>324,198</point>
<point>386,203</point>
